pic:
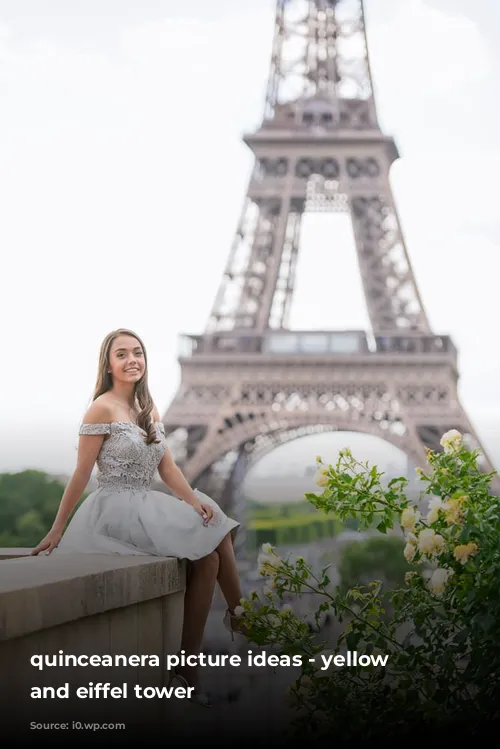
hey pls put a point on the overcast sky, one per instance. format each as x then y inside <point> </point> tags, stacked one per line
<point>122,174</point>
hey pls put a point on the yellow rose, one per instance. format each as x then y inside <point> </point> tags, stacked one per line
<point>439,580</point>
<point>409,552</point>
<point>432,515</point>
<point>464,552</point>
<point>409,517</point>
<point>321,477</point>
<point>453,510</point>
<point>451,440</point>
<point>434,506</point>
<point>430,542</point>
<point>268,562</point>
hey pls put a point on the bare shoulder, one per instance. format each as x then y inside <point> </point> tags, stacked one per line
<point>155,414</point>
<point>100,412</point>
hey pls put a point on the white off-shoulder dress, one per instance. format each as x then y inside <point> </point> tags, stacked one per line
<point>124,516</point>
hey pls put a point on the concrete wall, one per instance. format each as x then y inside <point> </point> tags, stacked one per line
<point>86,604</point>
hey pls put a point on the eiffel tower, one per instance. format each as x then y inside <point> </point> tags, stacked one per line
<point>249,383</point>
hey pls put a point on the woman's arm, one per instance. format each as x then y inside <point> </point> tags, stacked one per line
<point>172,476</point>
<point>88,450</point>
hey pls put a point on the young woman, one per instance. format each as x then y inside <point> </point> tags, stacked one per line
<point>122,431</point>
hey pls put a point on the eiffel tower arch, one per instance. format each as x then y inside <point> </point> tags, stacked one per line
<point>249,382</point>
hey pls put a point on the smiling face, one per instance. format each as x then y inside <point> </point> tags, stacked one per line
<point>126,359</point>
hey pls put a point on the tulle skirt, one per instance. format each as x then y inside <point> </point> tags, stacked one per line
<point>144,522</point>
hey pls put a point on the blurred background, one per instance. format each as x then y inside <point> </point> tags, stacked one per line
<point>122,174</point>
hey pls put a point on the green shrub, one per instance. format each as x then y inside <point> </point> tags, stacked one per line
<point>442,637</point>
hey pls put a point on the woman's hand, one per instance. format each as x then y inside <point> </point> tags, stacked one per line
<point>206,512</point>
<point>49,543</point>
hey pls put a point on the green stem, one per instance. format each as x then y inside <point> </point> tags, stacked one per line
<point>348,609</point>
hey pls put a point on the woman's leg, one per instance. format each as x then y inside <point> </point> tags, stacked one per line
<point>197,601</point>
<point>228,577</point>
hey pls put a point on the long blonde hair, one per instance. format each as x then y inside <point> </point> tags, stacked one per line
<point>104,383</point>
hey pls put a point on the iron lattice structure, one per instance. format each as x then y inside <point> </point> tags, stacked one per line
<point>248,382</point>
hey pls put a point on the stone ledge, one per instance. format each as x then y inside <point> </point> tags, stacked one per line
<point>15,552</point>
<point>41,592</point>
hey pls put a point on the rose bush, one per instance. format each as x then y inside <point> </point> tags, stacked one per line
<point>443,633</point>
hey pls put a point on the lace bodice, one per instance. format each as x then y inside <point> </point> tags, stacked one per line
<point>125,461</point>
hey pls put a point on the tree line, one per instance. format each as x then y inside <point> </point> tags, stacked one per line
<point>28,505</point>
